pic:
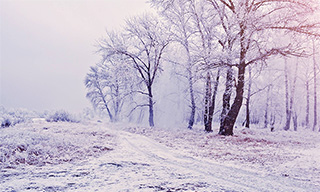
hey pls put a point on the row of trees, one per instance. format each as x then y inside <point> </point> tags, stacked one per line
<point>210,44</point>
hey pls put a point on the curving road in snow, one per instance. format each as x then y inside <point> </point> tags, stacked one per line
<point>139,163</point>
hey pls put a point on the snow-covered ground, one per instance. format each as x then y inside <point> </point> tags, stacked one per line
<point>92,156</point>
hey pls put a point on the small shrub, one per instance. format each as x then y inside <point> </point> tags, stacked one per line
<point>61,116</point>
<point>5,123</point>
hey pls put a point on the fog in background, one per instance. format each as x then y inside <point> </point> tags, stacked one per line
<point>47,47</point>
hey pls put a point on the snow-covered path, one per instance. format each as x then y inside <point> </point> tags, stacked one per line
<point>212,176</point>
<point>139,163</point>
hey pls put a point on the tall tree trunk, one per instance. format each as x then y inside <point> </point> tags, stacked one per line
<point>108,110</point>
<point>226,98</point>
<point>266,114</point>
<point>293,89</point>
<point>151,121</point>
<point>207,103</point>
<point>288,112</point>
<point>315,87</point>
<point>248,100</point>
<point>192,100</point>
<point>272,120</point>
<point>211,105</point>
<point>272,115</point>
<point>295,121</point>
<point>117,107</point>
<point>291,101</point>
<point>308,104</point>
<point>232,115</point>
<point>190,81</point>
<point>105,102</point>
<point>213,99</point>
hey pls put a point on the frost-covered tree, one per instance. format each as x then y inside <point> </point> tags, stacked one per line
<point>142,43</point>
<point>208,54</point>
<point>177,14</point>
<point>96,92</point>
<point>109,84</point>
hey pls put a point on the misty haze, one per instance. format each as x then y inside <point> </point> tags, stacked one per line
<point>160,95</point>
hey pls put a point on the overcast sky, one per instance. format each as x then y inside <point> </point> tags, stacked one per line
<point>47,47</point>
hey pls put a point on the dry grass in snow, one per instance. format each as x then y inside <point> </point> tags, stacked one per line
<point>51,143</point>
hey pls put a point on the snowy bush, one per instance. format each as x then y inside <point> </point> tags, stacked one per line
<point>5,122</point>
<point>14,116</point>
<point>61,116</point>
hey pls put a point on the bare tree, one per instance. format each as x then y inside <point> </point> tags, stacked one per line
<point>96,92</point>
<point>207,54</point>
<point>177,14</point>
<point>226,40</point>
<point>144,45</point>
<point>108,84</point>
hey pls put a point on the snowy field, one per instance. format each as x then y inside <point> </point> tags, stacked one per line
<point>91,156</point>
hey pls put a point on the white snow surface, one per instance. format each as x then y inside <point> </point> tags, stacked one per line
<point>91,156</point>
